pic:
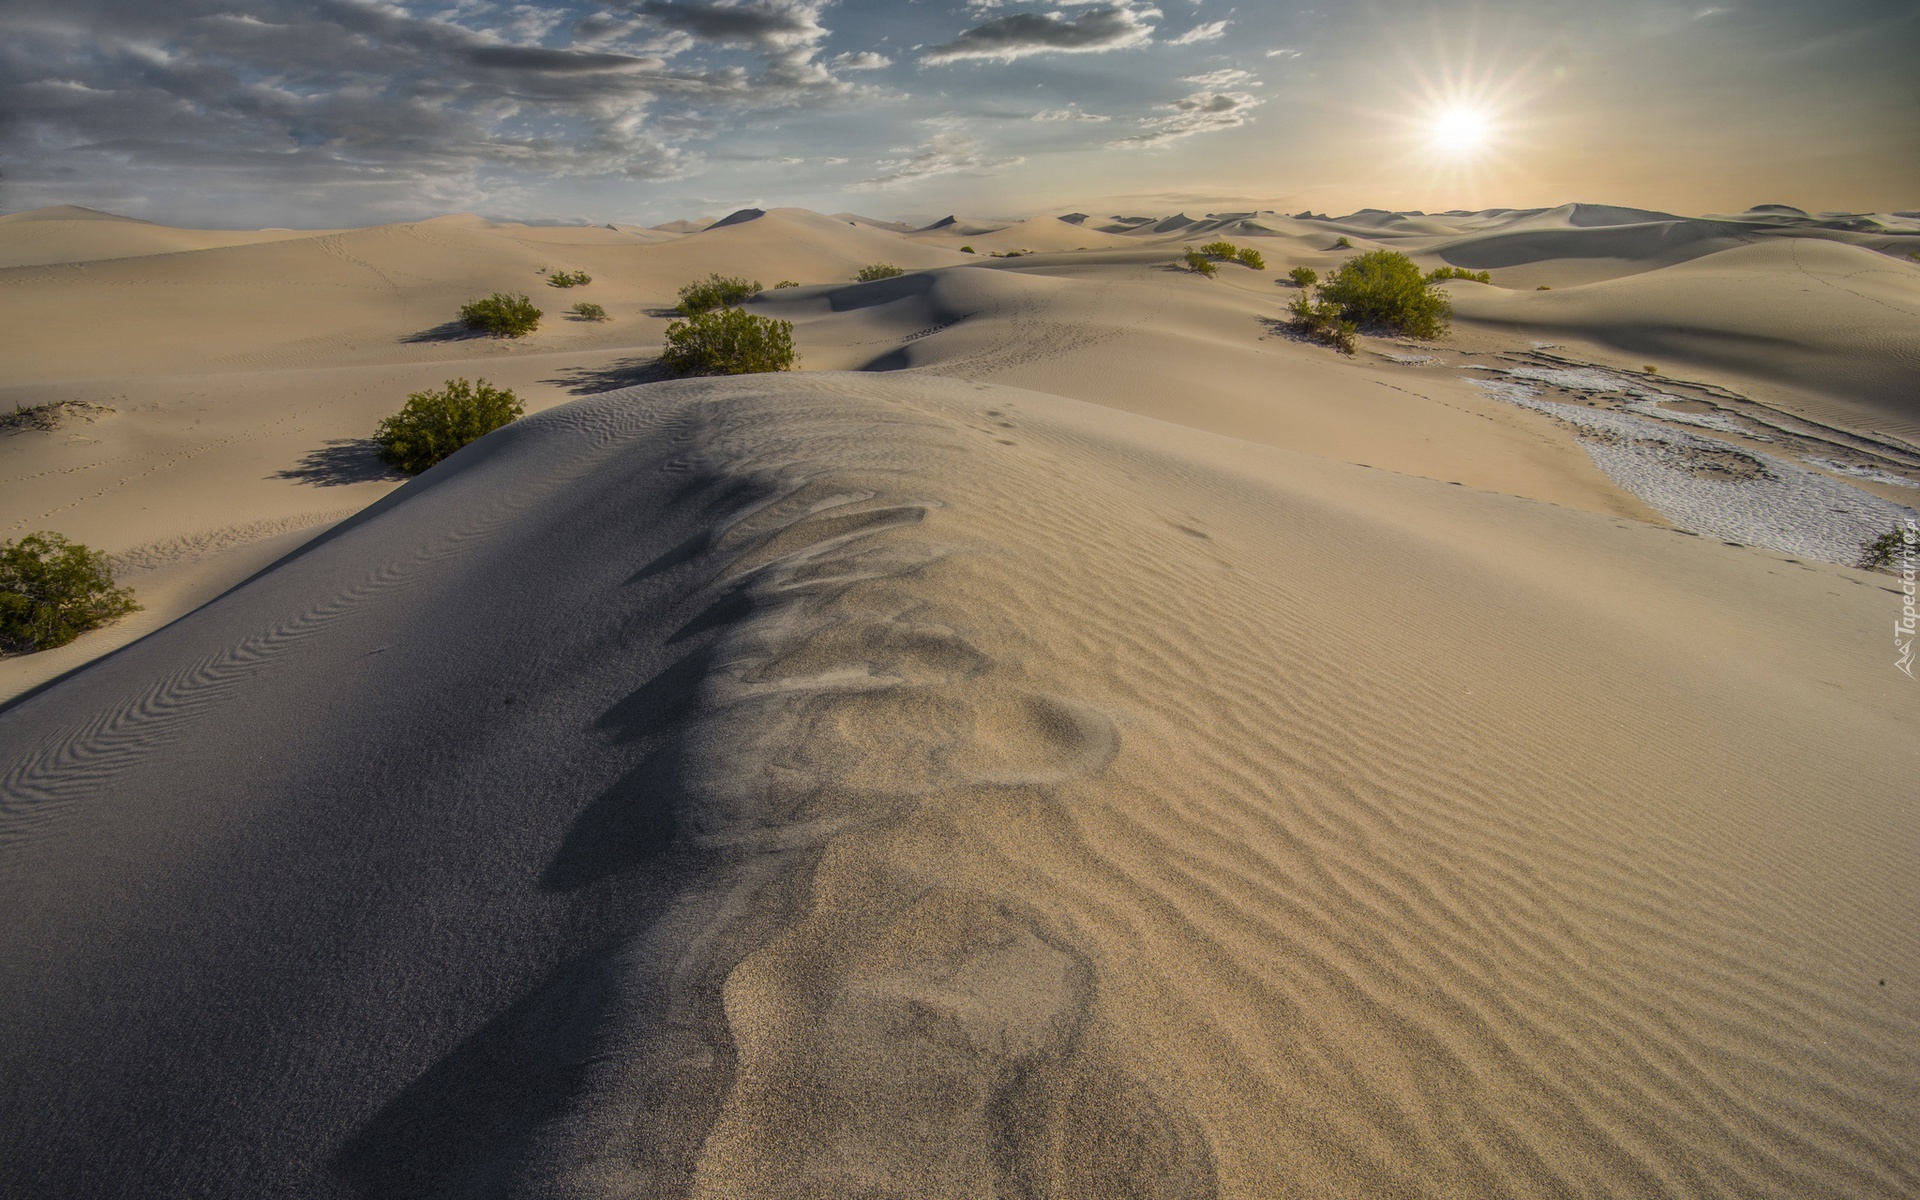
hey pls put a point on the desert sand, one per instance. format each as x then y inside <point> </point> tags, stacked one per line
<point>1072,739</point>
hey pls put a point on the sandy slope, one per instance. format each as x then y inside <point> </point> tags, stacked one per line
<point>1836,322</point>
<point>245,378</point>
<point>1222,768</point>
<point>890,786</point>
<point>68,234</point>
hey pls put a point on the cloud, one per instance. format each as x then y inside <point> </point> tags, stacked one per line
<point>1017,35</point>
<point>1071,112</point>
<point>1283,52</point>
<point>1212,31</point>
<point>946,154</point>
<point>766,25</point>
<point>866,60</point>
<point>370,106</point>
<point>1224,77</point>
<point>1202,112</point>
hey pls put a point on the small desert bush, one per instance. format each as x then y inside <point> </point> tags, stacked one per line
<point>1198,262</point>
<point>502,314</point>
<point>52,591</point>
<point>1384,288</point>
<point>587,310</point>
<point>716,291</point>
<point>873,271</point>
<point>786,283</point>
<point>729,341</point>
<point>1323,322</point>
<point>1439,273</point>
<point>1543,288</point>
<point>1343,244</point>
<point>1304,277</point>
<point>567,279</point>
<point>966,249</point>
<point>1228,252</point>
<point>1887,550</point>
<point>432,425</point>
<point>1651,369</point>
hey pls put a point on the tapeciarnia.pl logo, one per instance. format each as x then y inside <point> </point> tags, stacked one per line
<point>1903,629</point>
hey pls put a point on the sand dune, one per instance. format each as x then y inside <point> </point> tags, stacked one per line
<point>243,379</point>
<point>1072,740</point>
<point>1839,321</point>
<point>69,234</point>
<point>876,784</point>
<point>1041,235</point>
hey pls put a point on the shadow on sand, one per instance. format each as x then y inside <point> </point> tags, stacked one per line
<point>340,462</point>
<point>612,376</point>
<point>449,331</point>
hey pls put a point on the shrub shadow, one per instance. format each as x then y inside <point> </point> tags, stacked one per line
<point>448,331</point>
<point>340,462</point>
<point>611,377</point>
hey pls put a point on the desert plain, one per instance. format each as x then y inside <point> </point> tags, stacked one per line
<point>1073,738</point>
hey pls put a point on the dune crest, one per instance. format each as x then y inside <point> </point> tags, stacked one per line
<point>821,786</point>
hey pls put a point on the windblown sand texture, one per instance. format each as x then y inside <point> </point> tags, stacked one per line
<point>1046,763</point>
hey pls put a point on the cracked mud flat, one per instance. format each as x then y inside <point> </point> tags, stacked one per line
<point>1710,487</point>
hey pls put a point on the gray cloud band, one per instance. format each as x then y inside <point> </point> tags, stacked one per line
<point>366,96</point>
<point>1107,27</point>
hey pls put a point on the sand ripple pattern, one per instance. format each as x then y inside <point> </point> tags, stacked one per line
<point>83,760</point>
<point>858,1028</point>
<point>1020,809</point>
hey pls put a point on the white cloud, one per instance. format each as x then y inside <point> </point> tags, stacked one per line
<point>1224,77</point>
<point>946,154</point>
<point>1202,112</point>
<point>1212,31</point>
<point>1071,112</point>
<point>866,60</point>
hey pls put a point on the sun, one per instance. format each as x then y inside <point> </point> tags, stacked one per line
<point>1459,132</point>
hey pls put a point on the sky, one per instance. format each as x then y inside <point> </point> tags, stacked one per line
<point>330,113</point>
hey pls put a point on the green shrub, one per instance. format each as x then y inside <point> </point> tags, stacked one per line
<point>502,314</point>
<point>873,271</point>
<point>1651,369</point>
<point>1384,288</point>
<point>1886,550</point>
<point>566,279</point>
<point>1199,263</point>
<point>1304,277</point>
<point>715,291</point>
<point>1543,288</point>
<point>785,283</point>
<point>1343,244</point>
<point>1225,251</point>
<point>966,249</point>
<point>587,310</point>
<point>52,591</point>
<point>1323,322</point>
<point>1249,257</point>
<point>729,341</point>
<point>1439,273</point>
<point>432,425</point>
